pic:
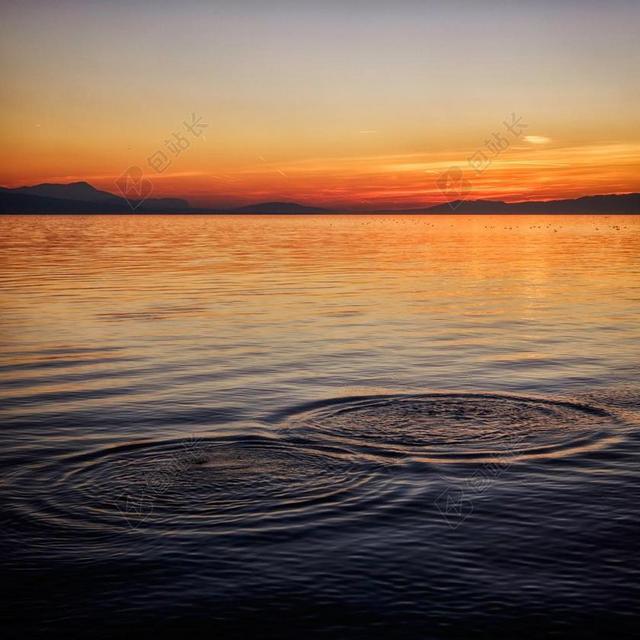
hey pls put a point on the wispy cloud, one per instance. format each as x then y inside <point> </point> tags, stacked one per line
<point>537,139</point>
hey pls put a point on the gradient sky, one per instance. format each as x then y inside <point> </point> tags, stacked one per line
<point>350,103</point>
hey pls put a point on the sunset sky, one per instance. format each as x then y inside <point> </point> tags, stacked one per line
<point>350,103</point>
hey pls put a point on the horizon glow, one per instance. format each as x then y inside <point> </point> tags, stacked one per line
<point>340,104</point>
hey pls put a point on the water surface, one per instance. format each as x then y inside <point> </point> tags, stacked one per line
<point>341,426</point>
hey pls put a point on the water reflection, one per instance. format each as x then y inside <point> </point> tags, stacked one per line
<point>346,422</point>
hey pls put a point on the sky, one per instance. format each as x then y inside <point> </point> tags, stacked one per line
<point>354,104</point>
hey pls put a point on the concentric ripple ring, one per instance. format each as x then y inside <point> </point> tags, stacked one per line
<point>456,427</point>
<point>217,485</point>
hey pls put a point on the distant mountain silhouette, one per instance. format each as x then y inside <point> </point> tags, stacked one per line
<point>279,207</point>
<point>627,203</point>
<point>83,198</point>
<point>81,191</point>
<point>80,197</point>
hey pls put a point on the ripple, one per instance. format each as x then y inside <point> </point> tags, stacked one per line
<point>332,463</point>
<point>456,427</point>
<point>205,486</point>
<point>621,397</point>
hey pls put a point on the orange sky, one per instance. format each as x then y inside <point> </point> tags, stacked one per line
<point>336,103</point>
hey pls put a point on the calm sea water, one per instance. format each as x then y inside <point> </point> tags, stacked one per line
<point>340,427</point>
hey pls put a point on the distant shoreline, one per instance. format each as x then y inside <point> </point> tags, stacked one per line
<point>81,198</point>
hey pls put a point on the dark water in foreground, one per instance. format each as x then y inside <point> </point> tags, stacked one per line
<point>342,427</point>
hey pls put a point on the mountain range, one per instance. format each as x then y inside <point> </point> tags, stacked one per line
<point>83,198</point>
<point>80,197</point>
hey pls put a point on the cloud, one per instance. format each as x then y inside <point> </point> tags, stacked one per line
<point>537,139</point>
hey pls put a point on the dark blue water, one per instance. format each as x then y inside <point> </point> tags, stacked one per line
<point>421,427</point>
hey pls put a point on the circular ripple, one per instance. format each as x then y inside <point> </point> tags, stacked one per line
<point>456,427</point>
<point>213,486</point>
